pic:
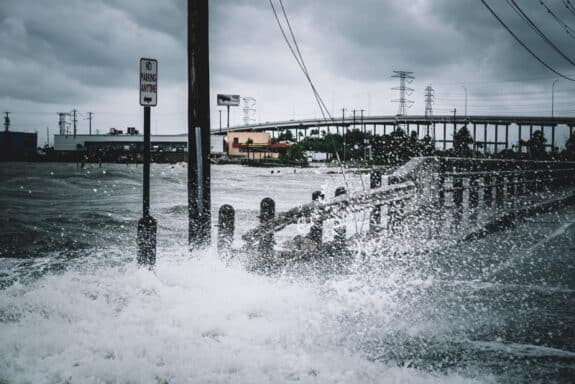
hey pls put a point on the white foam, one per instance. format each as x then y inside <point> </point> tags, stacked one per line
<point>192,320</point>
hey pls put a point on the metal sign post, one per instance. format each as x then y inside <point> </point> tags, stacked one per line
<point>147,226</point>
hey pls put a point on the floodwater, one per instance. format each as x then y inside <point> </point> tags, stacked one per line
<point>74,307</point>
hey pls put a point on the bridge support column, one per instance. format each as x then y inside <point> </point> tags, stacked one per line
<point>474,138</point>
<point>496,141</point>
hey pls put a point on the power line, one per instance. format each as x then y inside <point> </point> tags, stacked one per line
<point>301,63</point>
<point>524,45</point>
<point>569,6</point>
<point>563,24</point>
<point>533,26</point>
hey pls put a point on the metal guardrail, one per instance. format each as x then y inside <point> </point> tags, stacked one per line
<point>468,181</point>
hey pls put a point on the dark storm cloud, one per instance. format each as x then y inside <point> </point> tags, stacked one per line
<point>54,51</point>
<point>65,50</point>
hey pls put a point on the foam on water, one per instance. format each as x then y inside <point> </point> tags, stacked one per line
<point>191,320</point>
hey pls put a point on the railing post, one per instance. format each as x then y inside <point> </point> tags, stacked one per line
<point>441,191</point>
<point>267,214</point>
<point>457,200</point>
<point>316,231</point>
<point>499,190</point>
<point>226,226</point>
<point>473,199</point>
<point>375,216</point>
<point>487,191</point>
<point>520,188</point>
<point>511,185</point>
<point>340,230</point>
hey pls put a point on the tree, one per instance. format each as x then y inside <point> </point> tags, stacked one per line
<point>536,146</point>
<point>461,141</point>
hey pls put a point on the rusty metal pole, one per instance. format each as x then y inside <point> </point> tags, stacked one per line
<point>199,201</point>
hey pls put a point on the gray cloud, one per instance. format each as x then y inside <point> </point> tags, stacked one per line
<point>66,52</point>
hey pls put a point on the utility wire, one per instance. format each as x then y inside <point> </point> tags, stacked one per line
<point>524,45</point>
<point>569,6</point>
<point>301,63</point>
<point>568,29</point>
<point>523,15</point>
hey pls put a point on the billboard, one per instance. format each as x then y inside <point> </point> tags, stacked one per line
<point>231,100</point>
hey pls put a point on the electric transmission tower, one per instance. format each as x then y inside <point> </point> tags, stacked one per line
<point>404,91</point>
<point>249,110</point>
<point>429,100</point>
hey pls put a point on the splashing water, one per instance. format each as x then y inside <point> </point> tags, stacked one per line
<point>75,308</point>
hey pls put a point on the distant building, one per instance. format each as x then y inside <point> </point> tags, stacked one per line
<point>120,146</point>
<point>18,146</point>
<point>252,145</point>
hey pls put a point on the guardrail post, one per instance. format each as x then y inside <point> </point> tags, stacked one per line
<point>316,231</point>
<point>340,230</point>
<point>499,190</point>
<point>487,191</point>
<point>511,185</point>
<point>473,199</point>
<point>226,226</point>
<point>375,216</point>
<point>457,200</point>
<point>267,214</point>
<point>520,187</point>
<point>441,191</point>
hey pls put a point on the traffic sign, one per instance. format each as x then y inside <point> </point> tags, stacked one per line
<point>148,82</point>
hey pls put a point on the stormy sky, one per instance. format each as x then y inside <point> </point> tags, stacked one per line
<point>59,55</point>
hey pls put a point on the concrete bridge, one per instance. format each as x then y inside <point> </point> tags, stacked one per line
<point>497,132</point>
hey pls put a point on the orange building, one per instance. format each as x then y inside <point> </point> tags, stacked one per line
<point>251,145</point>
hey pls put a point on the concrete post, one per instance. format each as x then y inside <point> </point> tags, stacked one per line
<point>267,214</point>
<point>375,216</point>
<point>316,231</point>
<point>340,230</point>
<point>226,226</point>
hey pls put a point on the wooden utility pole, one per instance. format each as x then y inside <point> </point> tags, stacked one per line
<point>199,201</point>
<point>90,123</point>
<point>75,120</point>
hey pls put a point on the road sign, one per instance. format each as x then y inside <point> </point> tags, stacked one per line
<point>148,82</point>
<point>229,100</point>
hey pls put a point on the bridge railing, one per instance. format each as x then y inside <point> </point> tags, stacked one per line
<point>480,184</point>
<point>430,185</point>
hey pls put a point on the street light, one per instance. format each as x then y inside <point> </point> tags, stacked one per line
<point>553,98</point>
<point>465,88</point>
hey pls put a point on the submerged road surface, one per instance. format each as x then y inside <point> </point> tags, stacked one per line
<point>75,308</point>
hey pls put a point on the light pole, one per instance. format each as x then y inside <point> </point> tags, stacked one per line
<point>553,98</point>
<point>465,88</point>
